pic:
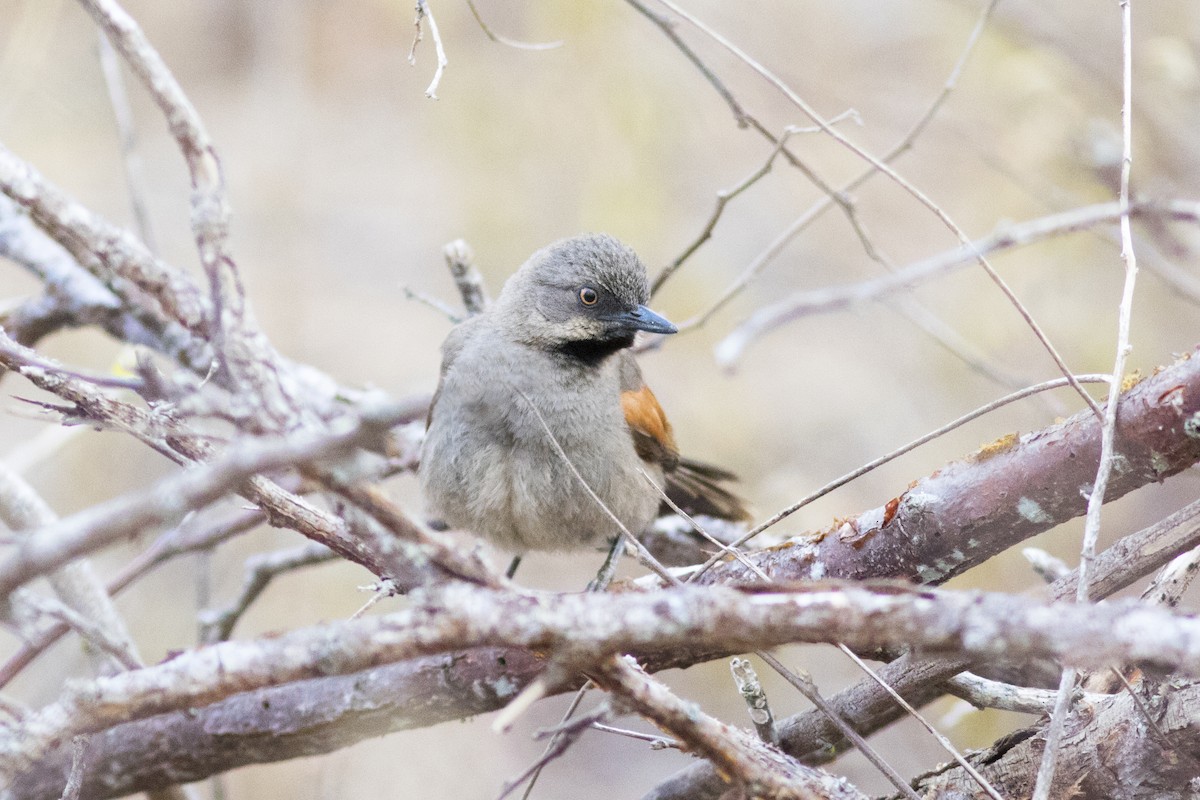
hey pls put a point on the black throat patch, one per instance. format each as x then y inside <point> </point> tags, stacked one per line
<point>591,352</point>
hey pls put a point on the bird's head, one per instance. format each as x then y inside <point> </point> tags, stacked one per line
<point>583,297</point>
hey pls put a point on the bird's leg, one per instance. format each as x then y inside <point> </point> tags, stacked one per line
<point>605,575</point>
<point>512,567</point>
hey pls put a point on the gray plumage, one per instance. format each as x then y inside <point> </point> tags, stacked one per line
<point>488,464</point>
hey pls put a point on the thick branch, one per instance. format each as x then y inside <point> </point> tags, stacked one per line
<point>581,630</point>
<point>1107,752</point>
<point>972,509</point>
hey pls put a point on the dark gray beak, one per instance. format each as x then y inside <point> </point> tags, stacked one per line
<point>643,319</point>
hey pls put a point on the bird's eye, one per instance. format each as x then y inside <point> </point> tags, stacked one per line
<point>588,296</point>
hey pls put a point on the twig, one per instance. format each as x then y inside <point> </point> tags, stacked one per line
<point>379,591</point>
<point>74,787</point>
<point>84,605</point>
<point>656,742</point>
<point>430,301</point>
<point>169,545</point>
<point>562,737</point>
<point>32,359</point>
<point>832,196</point>
<point>210,206</point>
<point>883,167</point>
<point>648,559</point>
<point>804,684</point>
<point>751,690</point>
<point>1049,568</point>
<point>986,693</point>
<point>946,744</point>
<point>135,178</point>
<point>822,205</point>
<point>261,569</point>
<point>733,552</point>
<point>863,470</point>
<point>460,259</point>
<point>120,649</point>
<point>1173,580</point>
<point>724,197</point>
<point>495,37</point>
<point>841,297</point>
<point>735,752</point>
<point>1091,530</point>
<point>423,10</point>
<point>571,708</point>
<point>57,544</point>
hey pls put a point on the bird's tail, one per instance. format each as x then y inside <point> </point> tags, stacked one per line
<point>698,488</point>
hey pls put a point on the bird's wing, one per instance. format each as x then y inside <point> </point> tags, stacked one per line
<point>694,486</point>
<point>456,340</point>
<point>652,437</point>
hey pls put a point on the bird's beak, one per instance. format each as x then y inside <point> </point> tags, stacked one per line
<point>643,319</point>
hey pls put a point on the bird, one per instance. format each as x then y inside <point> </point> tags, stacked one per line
<point>544,376</point>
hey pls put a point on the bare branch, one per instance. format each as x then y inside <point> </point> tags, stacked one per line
<point>1036,230</point>
<point>126,133</point>
<point>460,258</point>
<point>1086,764</point>
<point>495,37</point>
<point>748,761</point>
<point>1108,453</point>
<point>882,166</point>
<point>574,627</point>
<point>261,569</point>
<point>804,684</point>
<point>751,690</point>
<point>56,544</point>
<point>972,509</point>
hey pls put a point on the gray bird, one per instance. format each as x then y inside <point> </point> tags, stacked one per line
<point>549,359</point>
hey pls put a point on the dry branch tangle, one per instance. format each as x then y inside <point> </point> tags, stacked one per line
<point>582,630</point>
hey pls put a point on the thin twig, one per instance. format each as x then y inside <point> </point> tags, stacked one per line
<point>495,37</point>
<point>91,632</point>
<point>723,199</point>
<point>1048,567</point>
<point>563,736</point>
<point>825,203</point>
<point>733,552</point>
<point>863,470</point>
<point>423,10</point>
<point>986,693</point>
<point>135,177</point>
<point>261,569</point>
<point>804,684</point>
<point>656,742</point>
<point>1173,580</point>
<point>883,167</point>
<point>946,744</point>
<point>836,298</point>
<point>430,301</point>
<point>571,708</point>
<point>644,554</point>
<point>1091,529</point>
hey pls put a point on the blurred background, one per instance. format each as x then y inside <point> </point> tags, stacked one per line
<point>346,181</point>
